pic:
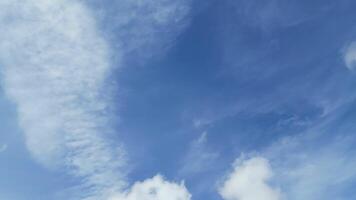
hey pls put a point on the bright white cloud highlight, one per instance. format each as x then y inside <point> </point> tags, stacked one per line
<point>156,189</point>
<point>55,65</point>
<point>249,181</point>
<point>350,56</point>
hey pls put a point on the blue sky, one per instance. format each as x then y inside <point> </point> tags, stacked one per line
<point>177,100</point>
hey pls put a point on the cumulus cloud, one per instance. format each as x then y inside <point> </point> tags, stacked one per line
<point>350,56</point>
<point>156,188</point>
<point>249,181</point>
<point>55,65</point>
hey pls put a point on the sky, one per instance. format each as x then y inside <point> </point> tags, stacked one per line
<point>177,100</point>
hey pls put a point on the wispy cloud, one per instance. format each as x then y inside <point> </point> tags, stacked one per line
<point>308,166</point>
<point>55,68</point>
<point>350,56</point>
<point>275,14</point>
<point>142,29</point>
<point>198,158</point>
<point>318,163</point>
<point>3,148</point>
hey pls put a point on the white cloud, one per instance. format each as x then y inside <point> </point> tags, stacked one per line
<point>155,189</point>
<point>249,181</point>
<point>350,56</point>
<point>55,65</point>
<point>54,68</point>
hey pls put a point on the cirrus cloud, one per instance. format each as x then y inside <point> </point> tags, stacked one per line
<point>55,67</point>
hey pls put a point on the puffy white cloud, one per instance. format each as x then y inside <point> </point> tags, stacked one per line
<point>55,64</point>
<point>156,188</point>
<point>350,56</point>
<point>249,181</point>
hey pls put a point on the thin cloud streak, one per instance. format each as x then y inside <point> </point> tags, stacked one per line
<point>142,29</point>
<point>3,148</point>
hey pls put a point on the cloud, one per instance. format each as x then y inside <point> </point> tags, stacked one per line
<point>199,157</point>
<point>143,29</point>
<point>277,14</point>
<point>155,189</point>
<point>55,67</point>
<point>3,148</point>
<point>350,56</point>
<point>249,181</point>
<point>316,164</point>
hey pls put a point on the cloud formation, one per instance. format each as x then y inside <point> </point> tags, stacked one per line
<point>318,163</point>
<point>142,29</point>
<point>249,181</point>
<point>198,158</point>
<point>55,67</point>
<point>350,56</point>
<point>3,148</point>
<point>155,189</point>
